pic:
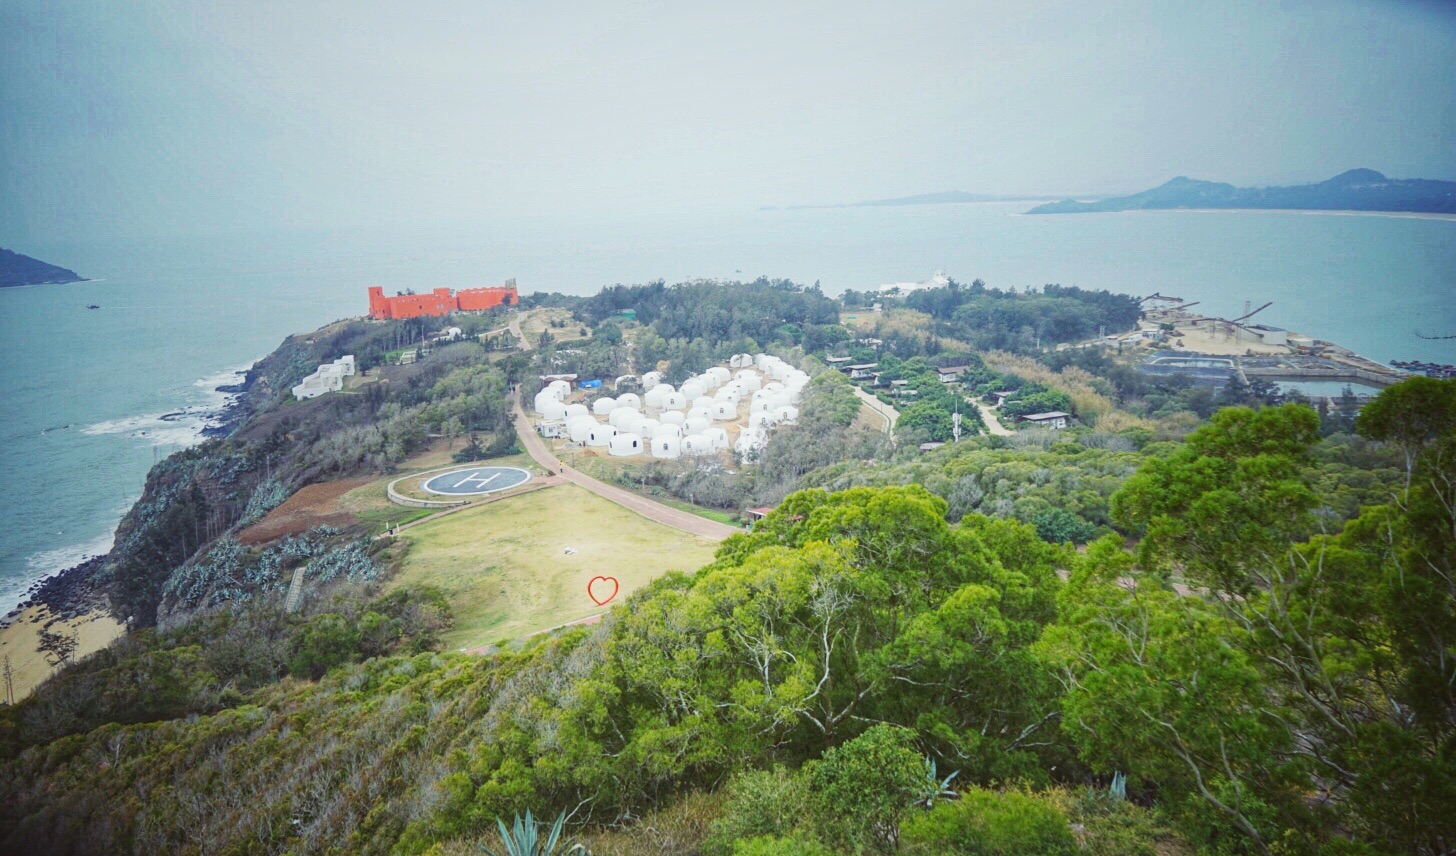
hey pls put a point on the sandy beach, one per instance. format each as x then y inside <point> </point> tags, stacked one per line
<point>19,638</point>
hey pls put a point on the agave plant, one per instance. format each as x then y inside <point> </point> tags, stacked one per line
<point>523,838</point>
<point>1118,789</point>
<point>936,787</point>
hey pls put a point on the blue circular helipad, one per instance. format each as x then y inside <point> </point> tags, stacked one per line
<point>474,481</point>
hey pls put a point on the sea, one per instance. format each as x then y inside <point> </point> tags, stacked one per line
<point>90,399</point>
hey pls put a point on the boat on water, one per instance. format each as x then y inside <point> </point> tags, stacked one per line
<point>92,306</point>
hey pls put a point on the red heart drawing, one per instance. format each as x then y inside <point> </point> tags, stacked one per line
<point>602,601</point>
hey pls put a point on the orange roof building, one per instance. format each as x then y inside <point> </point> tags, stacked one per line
<point>441,301</point>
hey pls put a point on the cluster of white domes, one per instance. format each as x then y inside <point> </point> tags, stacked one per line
<point>682,419</point>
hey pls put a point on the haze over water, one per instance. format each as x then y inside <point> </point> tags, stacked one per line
<point>84,390</point>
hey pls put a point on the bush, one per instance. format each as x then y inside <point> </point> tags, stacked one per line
<point>990,823</point>
<point>860,790</point>
<point>762,803</point>
<point>770,846</point>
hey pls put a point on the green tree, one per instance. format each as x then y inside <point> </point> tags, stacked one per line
<point>860,791</point>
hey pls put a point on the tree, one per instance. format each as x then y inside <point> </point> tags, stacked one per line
<point>58,648</point>
<point>859,791</point>
<point>925,421</point>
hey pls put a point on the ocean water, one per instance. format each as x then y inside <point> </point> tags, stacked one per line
<point>90,399</point>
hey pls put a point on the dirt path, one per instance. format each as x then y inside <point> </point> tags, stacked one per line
<point>880,409</point>
<point>632,502</point>
<point>988,416</point>
<point>515,328</point>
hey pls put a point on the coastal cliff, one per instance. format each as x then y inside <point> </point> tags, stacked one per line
<point>17,270</point>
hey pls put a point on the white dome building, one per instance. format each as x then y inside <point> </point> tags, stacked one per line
<point>668,429</point>
<point>703,401</point>
<point>624,446</point>
<point>757,421</point>
<point>579,428</point>
<point>737,361</point>
<point>749,381</point>
<point>666,447</point>
<point>718,436</point>
<point>672,417</point>
<point>692,389</point>
<point>601,435</point>
<point>560,387</point>
<point>603,406</point>
<point>549,406</point>
<point>725,410</point>
<point>626,419</point>
<point>630,399</point>
<point>647,427</point>
<point>786,415</point>
<point>759,405</point>
<point>653,397</point>
<point>720,373</point>
<point>674,401</point>
<point>651,380</point>
<point>575,410</point>
<point>749,442</point>
<point>709,381</point>
<point>695,445</point>
<point>696,425</point>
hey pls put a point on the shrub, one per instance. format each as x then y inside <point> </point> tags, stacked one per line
<point>762,803</point>
<point>990,823</point>
<point>771,846</point>
<point>860,790</point>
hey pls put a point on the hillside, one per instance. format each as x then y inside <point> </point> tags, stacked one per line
<point>17,269</point>
<point>1169,628</point>
<point>1353,190</point>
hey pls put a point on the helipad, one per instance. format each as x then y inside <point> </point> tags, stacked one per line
<point>475,481</point>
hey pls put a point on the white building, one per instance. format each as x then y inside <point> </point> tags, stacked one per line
<point>329,377</point>
<point>624,445</point>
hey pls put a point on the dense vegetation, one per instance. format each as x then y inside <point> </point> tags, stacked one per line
<point>990,318</point>
<point>834,679</point>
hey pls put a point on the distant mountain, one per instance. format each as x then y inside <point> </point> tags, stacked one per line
<point>16,269</point>
<point>1355,190</point>
<point>941,198</point>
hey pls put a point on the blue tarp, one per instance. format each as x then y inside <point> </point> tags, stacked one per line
<point>591,384</point>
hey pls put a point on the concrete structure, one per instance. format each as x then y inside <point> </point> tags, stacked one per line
<point>328,377</point>
<point>655,393</point>
<point>651,380</point>
<point>697,445</point>
<point>672,417</point>
<point>1055,419</point>
<point>577,409</point>
<point>630,399</point>
<point>624,445</point>
<point>666,447</point>
<point>674,401</point>
<point>549,407</point>
<point>579,428</point>
<point>786,415</point>
<point>601,435</point>
<point>718,436</point>
<point>625,419</point>
<point>696,424</point>
<point>441,301</point>
<point>668,429</point>
<point>604,406</point>
<point>725,410</point>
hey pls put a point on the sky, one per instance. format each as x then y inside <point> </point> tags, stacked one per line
<point>168,117</point>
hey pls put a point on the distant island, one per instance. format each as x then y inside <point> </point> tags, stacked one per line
<point>1354,190</point>
<point>943,197</point>
<point>17,269</point>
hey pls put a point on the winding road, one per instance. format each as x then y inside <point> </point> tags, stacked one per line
<point>663,514</point>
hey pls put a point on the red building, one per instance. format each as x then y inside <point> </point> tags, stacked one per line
<point>441,301</point>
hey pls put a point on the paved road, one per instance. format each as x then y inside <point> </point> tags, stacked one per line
<point>683,520</point>
<point>881,409</point>
<point>989,417</point>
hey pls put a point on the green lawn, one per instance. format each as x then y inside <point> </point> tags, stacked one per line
<point>504,568</point>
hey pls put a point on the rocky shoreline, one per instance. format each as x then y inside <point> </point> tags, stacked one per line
<point>75,591</point>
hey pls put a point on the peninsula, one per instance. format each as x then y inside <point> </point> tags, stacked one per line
<point>1353,190</point>
<point>17,270</point>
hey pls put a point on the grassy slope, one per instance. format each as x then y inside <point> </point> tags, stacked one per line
<point>504,569</point>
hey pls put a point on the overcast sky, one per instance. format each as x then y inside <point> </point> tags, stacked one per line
<point>171,117</point>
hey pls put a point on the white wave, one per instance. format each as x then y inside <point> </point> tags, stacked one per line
<point>182,427</point>
<point>48,563</point>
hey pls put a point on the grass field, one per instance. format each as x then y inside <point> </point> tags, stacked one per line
<point>504,569</point>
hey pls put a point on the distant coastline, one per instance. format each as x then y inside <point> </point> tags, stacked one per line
<point>1355,191</point>
<point>18,270</point>
<point>1335,212</point>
